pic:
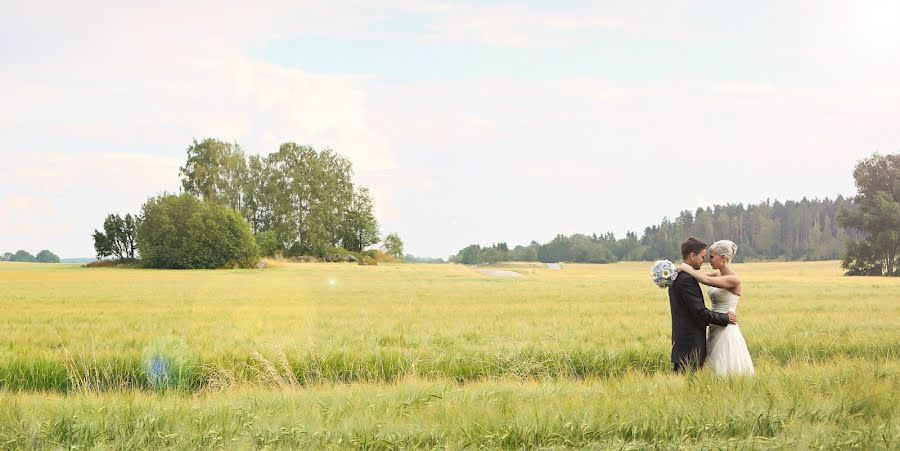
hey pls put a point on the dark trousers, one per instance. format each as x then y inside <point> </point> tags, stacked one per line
<point>691,362</point>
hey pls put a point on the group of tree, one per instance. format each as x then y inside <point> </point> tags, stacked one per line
<point>578,248</point>
<point>298,200</point>
<point>43,256</point>
<point>235,208</point>
<point>864,230</point>
<point>410,258</point>
<point>804,230</point>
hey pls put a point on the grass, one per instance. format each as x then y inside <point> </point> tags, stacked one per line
<point>399,356</point>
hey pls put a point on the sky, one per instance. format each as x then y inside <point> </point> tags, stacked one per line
<point>470,122</point>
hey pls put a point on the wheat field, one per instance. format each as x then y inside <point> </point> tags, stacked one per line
<point>434,356</point>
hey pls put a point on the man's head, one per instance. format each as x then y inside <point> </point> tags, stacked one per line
<point>693,251</point>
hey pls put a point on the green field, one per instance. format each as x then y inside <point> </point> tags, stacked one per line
<point>434,356</point>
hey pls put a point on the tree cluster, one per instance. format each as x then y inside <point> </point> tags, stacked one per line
<point>43,256</point>
<point>875,213</point>
<point>297,200</point>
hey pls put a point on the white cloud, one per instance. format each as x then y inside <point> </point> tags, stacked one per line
<point>100,100</point>
<point>55,200</point>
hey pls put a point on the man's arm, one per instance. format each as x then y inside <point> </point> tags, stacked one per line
<point>693,299</point>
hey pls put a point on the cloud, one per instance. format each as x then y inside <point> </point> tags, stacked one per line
<point>155,77</point>
<point>101,99</point>
<point>54,200</point>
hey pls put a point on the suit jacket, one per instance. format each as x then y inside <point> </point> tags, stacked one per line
<point>689,319</point>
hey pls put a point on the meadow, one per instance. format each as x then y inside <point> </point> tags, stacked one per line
<point>434,356</point>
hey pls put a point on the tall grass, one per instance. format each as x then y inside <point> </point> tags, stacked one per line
<point>399,356</point>
<point>848,404</point>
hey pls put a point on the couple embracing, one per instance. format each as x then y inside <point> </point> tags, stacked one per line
<point>724,348</point>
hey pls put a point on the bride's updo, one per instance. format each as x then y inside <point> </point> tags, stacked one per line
<point>725,248</point>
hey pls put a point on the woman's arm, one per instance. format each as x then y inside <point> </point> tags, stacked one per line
<point>715,273</point>
<point>727,282</point>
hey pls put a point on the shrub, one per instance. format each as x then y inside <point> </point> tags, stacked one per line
<point>181,232</point>
<point>267,242</point>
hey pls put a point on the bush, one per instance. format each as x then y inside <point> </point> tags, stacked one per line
<point>267,243</point>
<point>181,232</point>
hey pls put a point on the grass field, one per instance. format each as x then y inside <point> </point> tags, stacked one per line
<point>434,356</point>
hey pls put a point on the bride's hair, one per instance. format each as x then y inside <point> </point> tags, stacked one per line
<point>725,248</point>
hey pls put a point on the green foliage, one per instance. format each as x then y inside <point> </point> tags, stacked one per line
<point>6,257</point>
<point>393,246</point>
<point>875,213</point>
<point>804,230</point>
<point>22,256</point>
<point>182,232</point>
<point>118,238</point>
<point>305,197</point>
<point>470,255</point>
<point>46,256</point>
<point>215,171</point>
<point>267,243</point>
<point>360,229</point>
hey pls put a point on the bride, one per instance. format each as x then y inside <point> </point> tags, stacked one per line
<point>728,352</point>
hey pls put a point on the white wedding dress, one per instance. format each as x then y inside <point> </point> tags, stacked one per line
<point>726,350</point>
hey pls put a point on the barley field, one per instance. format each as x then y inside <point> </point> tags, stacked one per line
<point>434,356</point>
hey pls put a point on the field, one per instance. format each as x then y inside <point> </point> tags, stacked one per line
<point>434,356</point>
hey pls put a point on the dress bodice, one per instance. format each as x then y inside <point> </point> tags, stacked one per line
<point>723,300</point>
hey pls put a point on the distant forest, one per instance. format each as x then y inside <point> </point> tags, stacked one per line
<point>791,230</point>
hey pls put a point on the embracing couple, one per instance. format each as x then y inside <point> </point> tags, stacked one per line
<point>724,348</point>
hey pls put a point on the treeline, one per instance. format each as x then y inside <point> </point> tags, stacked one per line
<point>792,230</point>
<point>43,256</point>
<point>304,200</point>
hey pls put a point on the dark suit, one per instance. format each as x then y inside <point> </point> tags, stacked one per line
<point>689,319</point>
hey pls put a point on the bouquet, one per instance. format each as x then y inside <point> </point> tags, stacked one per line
<point>663,273</point>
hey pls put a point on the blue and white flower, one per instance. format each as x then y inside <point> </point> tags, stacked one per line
<point>663,273</point>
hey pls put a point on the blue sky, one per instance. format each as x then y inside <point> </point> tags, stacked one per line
<point>472,122</point>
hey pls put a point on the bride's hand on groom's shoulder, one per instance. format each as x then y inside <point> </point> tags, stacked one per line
<point>681,267</point>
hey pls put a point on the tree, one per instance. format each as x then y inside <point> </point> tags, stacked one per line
<point>182,232</point>
<point>267,243</point>
<point>118,238</point>
<point>875,212</point>
<point>46,256</point>
<point>215,171</point>
<point>470,255</point>
<point>22,256</point>
<point>6,257</point>
<point>393,246</point>
<point>360,226</point>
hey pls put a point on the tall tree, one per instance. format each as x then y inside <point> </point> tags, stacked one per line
<point>875,213</point>
<point>215,171</point>
<point>360,226</point>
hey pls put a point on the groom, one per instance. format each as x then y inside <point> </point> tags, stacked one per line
<point>689,315</point>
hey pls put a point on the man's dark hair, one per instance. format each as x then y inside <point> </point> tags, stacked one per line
<point>692,245</point>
